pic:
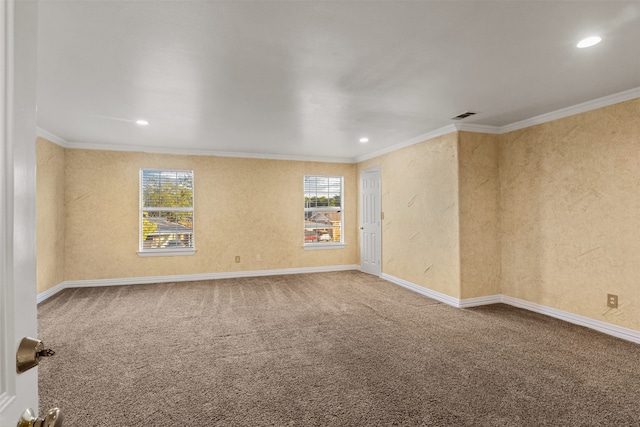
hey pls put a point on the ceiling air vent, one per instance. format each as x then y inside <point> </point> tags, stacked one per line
<point>463,115</point>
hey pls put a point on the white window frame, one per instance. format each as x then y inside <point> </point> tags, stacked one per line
<point>145,252</point>
<point>324,245</point>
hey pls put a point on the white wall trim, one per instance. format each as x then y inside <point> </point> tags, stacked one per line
<point>52,138</point>
<point>50,292</point>
<point>322,246</point>
<point>285,157</point>
<point>189,278</point>
<point>166,252</point>
<point>465,127</point>
<point>604,327</point>
<point>605,101</point>
<point>415,140</point>
<point>470,127</point>
<point>438,296</point>
<point>478,301</point>
<point>197,152</point>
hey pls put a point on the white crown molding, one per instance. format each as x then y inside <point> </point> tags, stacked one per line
<point>470,127</point>
<point>605,101</point>
<point>196,152</point>
<point>604,327</point>
<point>465,127</point>
<point>420,138</point>
<point>287,157</point>
<point>52,138</point>
<point>189,278</point>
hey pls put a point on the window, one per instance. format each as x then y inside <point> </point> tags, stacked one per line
<point>166,212</point>
<point>323,211</point>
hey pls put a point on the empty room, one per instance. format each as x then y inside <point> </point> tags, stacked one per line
<point>320,213</point>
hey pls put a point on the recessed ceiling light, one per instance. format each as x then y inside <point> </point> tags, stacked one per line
<point>588,42</point>
<point>364,140</point>
<point>142,122</point>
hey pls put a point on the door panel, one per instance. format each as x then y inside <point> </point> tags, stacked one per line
<point>18,42</point>
<point>370,236</point>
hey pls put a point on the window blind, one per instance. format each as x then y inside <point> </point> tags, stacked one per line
<point>323,216</point>
<point>166,210</point>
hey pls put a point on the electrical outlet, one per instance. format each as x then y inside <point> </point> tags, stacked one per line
<point>258,257</point>
<point>612,301</point>
<point>237,258</point>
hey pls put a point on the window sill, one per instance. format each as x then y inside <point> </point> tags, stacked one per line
<point>321,246</point>
<point>162,252</point>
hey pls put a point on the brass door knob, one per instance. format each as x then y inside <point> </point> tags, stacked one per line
<point>29,353</point>
<point>29,419</point>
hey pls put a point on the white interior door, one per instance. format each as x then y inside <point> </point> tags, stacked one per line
<point>370,228</point>
<point>18,56</point>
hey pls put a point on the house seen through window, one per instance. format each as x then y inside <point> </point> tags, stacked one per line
<point>323,210</point>
<point>166,210</point>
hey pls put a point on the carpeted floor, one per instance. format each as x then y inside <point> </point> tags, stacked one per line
<point>331,349</point>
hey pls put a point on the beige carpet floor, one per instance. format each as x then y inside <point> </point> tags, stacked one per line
<point>333,349</point>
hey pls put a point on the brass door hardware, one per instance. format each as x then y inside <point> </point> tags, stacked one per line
<point>29,353</point>
<point>29,419</point>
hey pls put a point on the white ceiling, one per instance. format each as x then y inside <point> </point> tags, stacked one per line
<point>303,78</point>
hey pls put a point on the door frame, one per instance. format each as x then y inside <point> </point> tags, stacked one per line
<point>18,86</point>
<point>378,170</point>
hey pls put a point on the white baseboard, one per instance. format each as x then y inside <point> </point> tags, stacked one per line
<point>478,301</point>
<point>189,278</point>
<point>604,327</point>
<point>50,292</point>
<point>438,296</point>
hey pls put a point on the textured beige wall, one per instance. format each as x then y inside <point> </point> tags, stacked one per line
<point>479,214</point>
<point>420,240</point>
<point>243,207</point>
<point>548,214</point>
<point>50,223</point>
<point>570,198</point>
